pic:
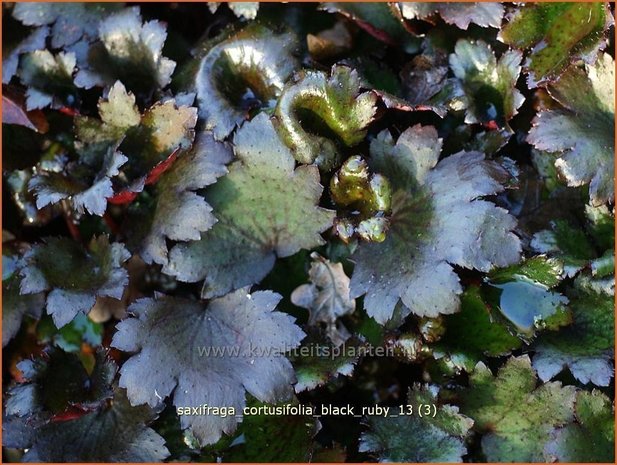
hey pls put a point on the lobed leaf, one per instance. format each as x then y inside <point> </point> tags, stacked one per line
<point>74,275</point>
<point>409,438</point>
<point>431,227</point>
<point>582,130</point>
<point>485,14</point>
<point>515,418</point>
<point>265,209</point>
<point>213,353</point>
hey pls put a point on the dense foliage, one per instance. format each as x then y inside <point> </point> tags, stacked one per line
<point>199,195</point>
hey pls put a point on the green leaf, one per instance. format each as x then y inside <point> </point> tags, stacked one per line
<point>432,226</point>
<point>71,336</point>
<point>275,438</point>
<point>525,297</point>
<point>489,85</point>
<point>128,50</point>
<point>252,64</point>
<point>475,331</point>
<point>115,433</point>
<point>179,212</point>
<point>70,22</point>
<point>582,130</point>
<point>557,34</point>
<point>318,360</point>
<point>212,353</point>
<point>49,78</point>
<point>74,275</point>
<point>515,418</point>
<point>567,243</point>
<point>592,438</point>
<point>265,209</point>
<point>409,438</point>
<point>59,382</point>
<point>460,14</point>
<point>337,102</point>
<point>326,297</point>
<point>586,347</point>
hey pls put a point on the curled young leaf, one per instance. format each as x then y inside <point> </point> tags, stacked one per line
<point>128,50</point>
<point>582,130</point>
<point>253,64</point>
<point>265,209</point>
<point>336,101</point>
<point>432,226</point>
<point>116,432</point>
<point>409,438</point>
<point>485,14</point>
<point>235,343</point>
<point>489,86</point>
<point>557,34</point>
<point>74,275</point>
<point>179,212</point>
<point>516,419</point>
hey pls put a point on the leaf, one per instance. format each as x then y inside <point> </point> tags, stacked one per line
<point>409,438</point>
<point>14,112</point>
<point>73,335</point>
<point>179,212</point>
<point>557,34</point>
<point>567,243</point>
<point>245,10</point>
<point>251,65</point>
<point>432,226</point>
<point>275,438</point>
<point>525,297</point>
<point>49,78</point>
<point>319,360</point>
<point>115,433</point>
<point>515,418</point>
<point>327,297</point>
<point>74,275</point>
<point>265,209</point>
<point>10,60</point>
<point>128,50</point>
<point>330,43</point>
<point>58,382</point>
<point>141,144</point>
<point>587,346</point>
<point>475,331</point>
<point>382,20</point>
<point>70,22</point>
<point>16,306</point>
<point>85,187</point>
<point>485,14</point>
<point>490,93</point>
<point>586,149</point>
<point>236,342</point>
<point>336,101</point>
<point>592,438</point>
